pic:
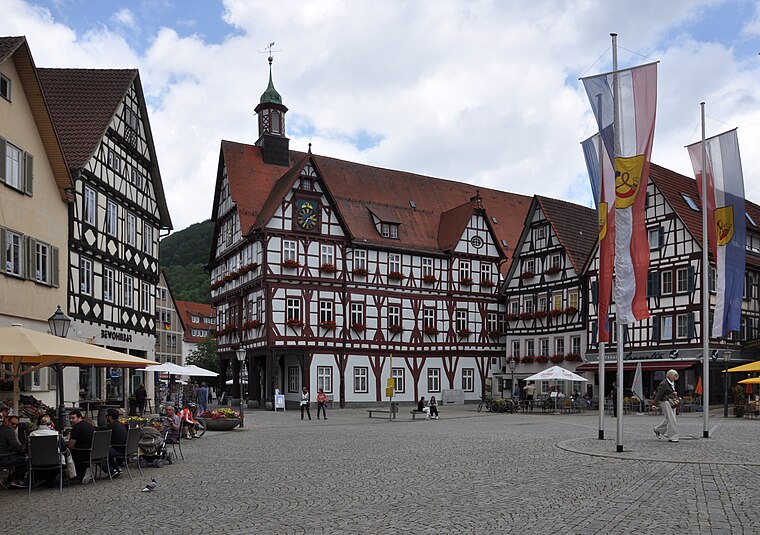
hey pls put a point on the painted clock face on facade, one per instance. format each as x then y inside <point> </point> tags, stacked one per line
<point>307,214</point>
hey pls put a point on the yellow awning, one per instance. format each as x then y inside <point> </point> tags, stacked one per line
<point>751,367</point>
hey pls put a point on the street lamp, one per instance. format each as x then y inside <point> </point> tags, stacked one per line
<point>59,324</point>
<point>726,360</point>
<point>512,365</point>
<point>240,353</point>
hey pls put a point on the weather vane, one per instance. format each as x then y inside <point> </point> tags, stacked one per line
<point>269,49</point>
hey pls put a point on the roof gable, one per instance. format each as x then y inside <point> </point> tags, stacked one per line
<point>576,228</point>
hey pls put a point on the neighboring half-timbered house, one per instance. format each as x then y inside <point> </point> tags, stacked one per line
<point>170,326</point>
<point>545,290</point>
<point>118,212</point>
<point>672,336</point>
<point>337,275</point>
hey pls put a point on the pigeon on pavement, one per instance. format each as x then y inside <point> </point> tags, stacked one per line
<point>150,486</point>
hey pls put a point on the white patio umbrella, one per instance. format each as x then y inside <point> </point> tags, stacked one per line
<point>168,367</point>
<point>197,371</point>
<point>556,373</point>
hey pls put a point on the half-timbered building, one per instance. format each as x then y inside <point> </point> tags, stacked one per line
<point>199,322</point>
<point>170,327</point>
<point>340,276</point>
<point>117,214</point>
<point>672,336</point>
<point>545,291</point>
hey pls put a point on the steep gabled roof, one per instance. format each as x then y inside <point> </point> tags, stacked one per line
<point>186,310</point>
<point>576,228</point>
<point>358,190</point>
<point>18,49</point>
<point>82,104</point>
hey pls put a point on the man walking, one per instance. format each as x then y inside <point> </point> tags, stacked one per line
<point>202,398</point>
<point>668,399</point>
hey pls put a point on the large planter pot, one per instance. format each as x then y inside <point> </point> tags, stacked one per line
<point>221,424</point>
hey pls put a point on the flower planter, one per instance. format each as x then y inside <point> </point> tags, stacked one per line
<point>221,424</point>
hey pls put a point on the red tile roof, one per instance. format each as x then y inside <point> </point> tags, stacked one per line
<point>356,189</point>
<point>576,228</point>
<point>187,310</point>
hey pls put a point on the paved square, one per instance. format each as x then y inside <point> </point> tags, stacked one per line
<point>465,473</point>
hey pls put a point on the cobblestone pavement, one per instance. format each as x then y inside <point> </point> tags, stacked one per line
<point>465,473</point>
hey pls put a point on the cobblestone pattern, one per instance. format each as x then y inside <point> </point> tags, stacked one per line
<point>465,473</point>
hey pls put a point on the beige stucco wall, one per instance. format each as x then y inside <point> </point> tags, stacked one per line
<point>43,216</point>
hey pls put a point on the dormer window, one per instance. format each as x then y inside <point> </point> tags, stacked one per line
<point>389,230</point>
<point>306,184</point>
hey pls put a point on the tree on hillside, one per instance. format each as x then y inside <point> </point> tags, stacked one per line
<point>204,356</point>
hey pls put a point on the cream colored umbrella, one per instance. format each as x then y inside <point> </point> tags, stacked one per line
<point>20,346</point>
<point>750,381</point>
<point>751,367</point>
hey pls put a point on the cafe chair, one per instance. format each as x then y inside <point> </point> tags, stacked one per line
<point>101,441</point>
<point>177,444</point>
<point>131,449</point>
<point>45,454</point>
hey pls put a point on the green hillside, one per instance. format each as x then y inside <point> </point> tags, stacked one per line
<point>183,255</point>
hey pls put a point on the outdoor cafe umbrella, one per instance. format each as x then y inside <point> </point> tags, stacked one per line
<point>751,367</point>
<point>197,371</point>
<point>168,367</point>
<point>25,347</point>
<point>556,373</point>
<point>750,381</point>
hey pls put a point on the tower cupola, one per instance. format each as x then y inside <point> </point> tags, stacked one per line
<point>271,112</point>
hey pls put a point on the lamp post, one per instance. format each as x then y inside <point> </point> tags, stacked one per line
<point>240,353</point>
<point>59,324</point>
<point>512,365</point>
<point>726,360</point>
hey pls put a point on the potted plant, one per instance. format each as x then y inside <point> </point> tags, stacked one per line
<point>359,327</point>
<point>739,401</point>
<point>495,334</point>
<point>527,275</point>
<point>253,324</point>
<point>222,419</point>
<point>526,315</point>
<point>430,331</point>
<point>555,312</point>
<point>290,263</point>
<point>429,279</point>
<point>556,359</point>
<point>360,272</point>
<point>569,311</point>
<point>328,325</point>
<point>512,317</point>
<point>573,357</point>
<point>328,268</point>
<point>551,270</point>
<point>396,276</point>
<point>466,281</point>
<point>396,328</point>
<point>464,333</point>
<point>294,323</point>
<point>539,314</point>
<point>487,283</point>
<point>527,359</point>
<point>541,359</point>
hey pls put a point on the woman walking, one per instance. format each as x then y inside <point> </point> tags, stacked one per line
<point>305,402</point>
<point>433,408</point>
<point>321,403</point>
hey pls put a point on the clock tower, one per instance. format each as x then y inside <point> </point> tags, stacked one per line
<point>271,112</point>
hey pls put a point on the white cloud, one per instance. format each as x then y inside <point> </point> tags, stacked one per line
<point>125,17</point>
<point>483,91</point>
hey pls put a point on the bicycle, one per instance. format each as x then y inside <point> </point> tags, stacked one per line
<point>486,402</point>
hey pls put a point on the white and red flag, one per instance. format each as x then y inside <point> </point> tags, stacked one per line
<point>726,226</point>
<point>625,103</point>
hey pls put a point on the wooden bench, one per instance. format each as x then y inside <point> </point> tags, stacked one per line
<point>416,413</point>
<point>381,411</point>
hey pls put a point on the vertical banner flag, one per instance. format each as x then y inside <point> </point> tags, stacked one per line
<point>624,104</point>
<point>726,226</point>
<point>601,175</point>
<point>638,387</point>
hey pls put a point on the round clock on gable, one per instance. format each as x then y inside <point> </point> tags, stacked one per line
<point>306,216</point>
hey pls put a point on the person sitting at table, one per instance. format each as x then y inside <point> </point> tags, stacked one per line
<point>80,443</point>
<point>171,425</point>
<point>45,427</point>
<point>118,434</point>
<point>12,453</point>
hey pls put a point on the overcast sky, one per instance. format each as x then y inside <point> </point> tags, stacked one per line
<point>484,92</point>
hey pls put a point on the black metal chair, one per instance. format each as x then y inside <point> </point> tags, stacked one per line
<point>44,454</point>
<point>175,443</point>
<point>131,449</point>
<point>101,442</point>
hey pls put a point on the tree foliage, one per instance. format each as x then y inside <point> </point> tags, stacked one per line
<point>205,357</point>
<point>182,257</point>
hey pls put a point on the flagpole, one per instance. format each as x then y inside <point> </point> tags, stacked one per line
<point>705,293</point>
<point>602,345</point>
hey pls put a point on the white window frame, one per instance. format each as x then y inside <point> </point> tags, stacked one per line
<point>131,222</point>
<point>434,380</point>
<point>144,296</point>
<point>559,345</point>
<point>109,281</point>
<point>360,259</point>
<point>544,346</point>
<point>147,239</point>
<point>14,253</point>
<point>666,328</point>
<point>653,236</point>
<point>361,380</point>
<point>492,322</point>
<point>514,306</point>
<point>486,272</point>
<point>324,379</point>
<point>42,266</point>
<point>394,315</point>
<point>666,282</point>
<point>85,276</point>
<point>326,311</point>
<point>682,326</point>
<point>516,348</point>
<point>14,166</point>
<point>294,379</point>
<point>468,379</point>
<point>530,347</point>
<point>399,377</point>
<point>394,262</point>
<point>357,314</point>
<point>428,317</point>
<point>465,271</point>
<point>292,308</point>
<point>682,282</point>
<point>557,301</point>
<point>572,299</point>
<point>427,267</point>
<point>575,345</point>
<point>461,319</point>
<point>90,206</point>
<point>112,218</point>
<point>129,291</point>
<point>328,254</point>
<point>289,250</point>
<point>555,261</point>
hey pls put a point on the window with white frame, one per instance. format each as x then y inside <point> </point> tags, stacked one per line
<point>682,284</point>
<point>114,160</point>
<point>42,268</point>
<point>575,345</point>
<point>461,319</point>
<point>144,296</point>
<point>293,308</point>
<point>357,313</point>
<point>464,269</point>
<point>360,259</point>
<point>544,345</point>
<point>428,318</point>
<point>129,291</point>
<point>427,267</point>
<point>492,322</point>
<point>514,307</point>
<point>394,315</point>
<point>572,299</point>
<point>136,177</point>
<point>389,230</point>
<point>14,166</point>
<point>528,305</point>
<point>399,378</point>
<point>530,347</point>
<point>85,276</point>
<point>515,348</point>
<point>131,229</point>
<point>555,261</point>
<point>294,379</point>
<point>108,284</point>
<point>666,282</point>
<point>434,380</point>
<point>666,328</point>
<point>112,218</point>
<point>14,249</point>
<point>324,379</point>
<point>325,311</point>
<point>557,300</point>
<point>559,346</point>
<point>682,326</point>
<point>289,251</point>
<point>654,238</point>
<point>361,385</point>
<point>529,265</point>
<point>542,303</point>
<point>394,262</point>
<point>90,206</point>
<point>468,379</point>
<point>148,239</point>
<point>328,254</point>
<point>486,272</point>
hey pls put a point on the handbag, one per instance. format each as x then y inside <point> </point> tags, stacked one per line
<point>70,467</point>
<point>674,401</point>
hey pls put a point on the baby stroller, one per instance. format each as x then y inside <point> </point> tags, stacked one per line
<point>153,448</point>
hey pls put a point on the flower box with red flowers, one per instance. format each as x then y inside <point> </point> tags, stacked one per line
<point>467,281</point>
<point>573,357</point>
<point>527,359</point>
<point>360,272</point>
<point>396,276</point>
<point>290,263</point>
<point>464,333</point>
<point>494,335</point>
<point>542,359</point>
<point>556,359</point>
<point>359,327</point>
<point>429,279</point>
<point>551,271</point>
<point>555,313</point>
<point>527,275</point>
<point>294,323</point>
<point>217,284</point>
<point>328,325</point>
<point>253,324</point>
<point>228,329</point>
<point>396,329</point>
<point>516,360</point>
<point>248,268</point>
<point>430,331</point>
<point>539,314</point>
<point>512,317</point>
<point>487,283</point>
<point>328,268</point>
<point>526,315</point>
<point>569,311</point>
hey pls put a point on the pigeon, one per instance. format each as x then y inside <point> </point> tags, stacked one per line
<point>150,486</point>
